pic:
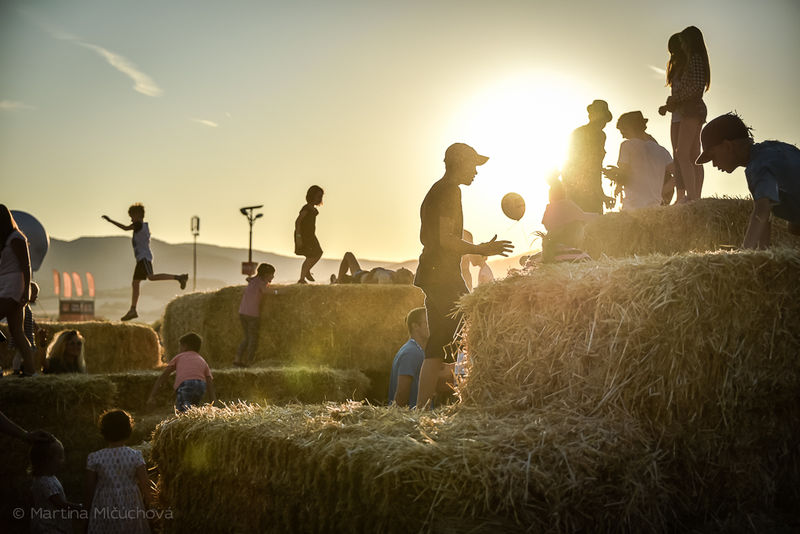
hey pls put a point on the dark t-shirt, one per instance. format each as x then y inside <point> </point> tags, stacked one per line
<point>436,265</point>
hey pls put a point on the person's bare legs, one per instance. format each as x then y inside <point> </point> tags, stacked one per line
<point>699,173</point>
<point>135,293</point>
<point>305,269</point>
<point>429,374</point>
<point>349,264</point>
<point>680,189</point>
<point>15,316</point>
<point>688,135</point>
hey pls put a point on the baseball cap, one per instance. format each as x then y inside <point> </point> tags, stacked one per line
<point>724,128</point>
<point>463,153</point>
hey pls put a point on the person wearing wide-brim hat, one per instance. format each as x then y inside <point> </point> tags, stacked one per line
<point>772,169</point>
<point>643,165</point>
<point>582,174</point>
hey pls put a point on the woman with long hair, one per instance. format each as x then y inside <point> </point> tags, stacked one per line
<point>15,284</point>
<point>65,354</point>
<point>689,77</point>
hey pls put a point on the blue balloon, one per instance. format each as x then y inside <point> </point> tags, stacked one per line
<point>38,240</point>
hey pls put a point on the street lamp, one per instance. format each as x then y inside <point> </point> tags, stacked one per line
<point>248,267</point>
<point>195,233</point>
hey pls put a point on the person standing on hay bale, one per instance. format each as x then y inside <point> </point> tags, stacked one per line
<point>643,165</point>
<point>192,375</point>
<point>772,170</point>
<point>583,172</point>
<point>144,257</point>
<point>439,271</point>
<point>404,379</point>
<point>250,313</point>
<point>117,487</point>
<point>305,237</point>
<point>693,79</point>
<point>15,284</point>
<point>350,272</point>
<point>65,354</point>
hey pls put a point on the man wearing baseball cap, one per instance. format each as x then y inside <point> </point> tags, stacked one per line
<point>772,169</point>
<point>439,271</point>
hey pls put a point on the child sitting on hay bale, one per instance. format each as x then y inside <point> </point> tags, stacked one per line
<point>772,169</point>
<point>250,313</point>
<point>564,221</point>
<point>192,375</point>
<point>66,353</point>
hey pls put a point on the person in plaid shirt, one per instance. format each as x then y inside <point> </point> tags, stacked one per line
<point>686,99</point>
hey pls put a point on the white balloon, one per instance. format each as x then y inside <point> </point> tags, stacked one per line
<point>38,240</point>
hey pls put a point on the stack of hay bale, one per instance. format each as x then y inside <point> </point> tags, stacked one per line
<point>654,393</point>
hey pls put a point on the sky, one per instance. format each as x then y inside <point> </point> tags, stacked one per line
<point>197,107</point>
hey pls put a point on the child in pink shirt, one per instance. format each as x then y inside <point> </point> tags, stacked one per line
<point>192,375</point>
<point>250,312</point>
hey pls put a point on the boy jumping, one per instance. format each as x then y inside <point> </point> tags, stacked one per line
<point>772,169</point>
<point>144,258</point>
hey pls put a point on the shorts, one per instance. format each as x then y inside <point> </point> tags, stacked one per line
<point>440,303</point>
<point>144,268</point>
<point>189,394</point>
<point>694,109</point>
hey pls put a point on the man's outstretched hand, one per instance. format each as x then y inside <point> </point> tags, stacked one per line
<point>495,247</point>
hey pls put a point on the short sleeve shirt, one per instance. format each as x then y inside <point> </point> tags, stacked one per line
<point>647,162</point>
<point>436,265</point>
<point>774,173</point>
<point>251,297</point>
<point>141,241</point>
<point>189,365</point>
<point>50,519</point>
<point>407,362</point>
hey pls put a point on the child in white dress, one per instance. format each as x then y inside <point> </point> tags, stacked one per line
<point>117,483</point>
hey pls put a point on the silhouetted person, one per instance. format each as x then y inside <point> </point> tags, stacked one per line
<point>693,79</point>
<point>143,255</point>
<point>305,237</point>
<point>15,284</point>
<point>675,66</point>
<point>642,164</point>
<point>350,272</point>
<point>772,169</point>
<point>439,271</point>
<point>582,174</point>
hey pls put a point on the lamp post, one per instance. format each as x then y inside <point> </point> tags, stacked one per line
<point>195,233</point>
<point>248,267</point>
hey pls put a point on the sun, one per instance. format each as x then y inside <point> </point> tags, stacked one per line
<point>523,124</point>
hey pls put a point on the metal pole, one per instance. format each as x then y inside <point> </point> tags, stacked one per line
<point>195,233</point>
<point>194,269</point>
<point>250,246</point>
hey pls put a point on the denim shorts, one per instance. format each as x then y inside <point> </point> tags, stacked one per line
<point>189,394</point>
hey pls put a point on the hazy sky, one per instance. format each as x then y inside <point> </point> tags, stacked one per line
<point>200,107</point>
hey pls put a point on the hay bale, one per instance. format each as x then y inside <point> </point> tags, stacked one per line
<point>269,385</point>
<point>357,468</point>
<point>113,347</point>
<point>675,339</point>
<point>702,225</point>
<point>342,326</point>
<point>701,349</point>
<point>66,406</point>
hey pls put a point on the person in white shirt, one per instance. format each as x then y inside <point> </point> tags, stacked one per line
<point>643,165</point>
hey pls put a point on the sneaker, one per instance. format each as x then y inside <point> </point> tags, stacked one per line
<point>309,277</point>
<point>182,279</point>
<point>130,315</point>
